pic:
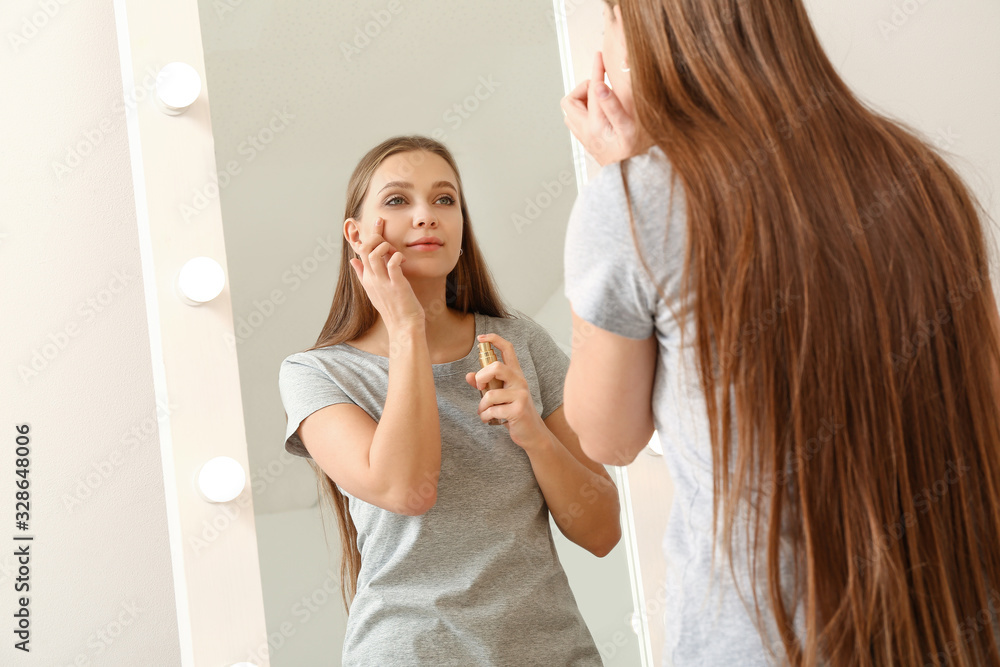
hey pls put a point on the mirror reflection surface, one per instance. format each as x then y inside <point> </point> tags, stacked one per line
<point>299,93</point>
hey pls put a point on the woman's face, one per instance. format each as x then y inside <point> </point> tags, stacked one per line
<point>614,54</point>
<point>416,194</point>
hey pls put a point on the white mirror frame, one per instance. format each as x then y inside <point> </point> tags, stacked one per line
<point>217,584</point>
<point>585,169</point>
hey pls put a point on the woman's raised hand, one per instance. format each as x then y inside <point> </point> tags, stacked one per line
<point>379,270</point>
<point>595,116</point>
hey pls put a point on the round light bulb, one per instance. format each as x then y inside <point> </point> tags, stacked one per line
<point>200,280</point>
<point>221,479</point>
<point>177,87</point>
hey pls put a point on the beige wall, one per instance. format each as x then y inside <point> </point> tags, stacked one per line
<point>74,314</point>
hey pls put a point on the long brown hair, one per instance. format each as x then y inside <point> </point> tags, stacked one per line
<point>469,288</point>
<point>867,408</point>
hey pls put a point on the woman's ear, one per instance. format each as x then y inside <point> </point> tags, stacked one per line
<point>352,231</point>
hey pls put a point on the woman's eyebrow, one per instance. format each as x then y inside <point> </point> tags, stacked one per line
<point>406,185</point>
<point>397,184</point>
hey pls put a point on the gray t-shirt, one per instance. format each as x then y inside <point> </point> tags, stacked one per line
<point>476,580</point>
<point>608,287</point>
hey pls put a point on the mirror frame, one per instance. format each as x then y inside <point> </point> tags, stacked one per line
<point>214,545</point>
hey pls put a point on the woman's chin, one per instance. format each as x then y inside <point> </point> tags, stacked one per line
<point>428,271</point>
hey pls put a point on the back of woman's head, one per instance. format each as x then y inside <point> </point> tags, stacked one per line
<point>839,271</point>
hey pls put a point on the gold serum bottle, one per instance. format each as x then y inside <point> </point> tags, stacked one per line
<point>486,357</point>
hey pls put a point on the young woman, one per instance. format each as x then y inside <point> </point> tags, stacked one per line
<point>448,558</point>
<point>835,415</point>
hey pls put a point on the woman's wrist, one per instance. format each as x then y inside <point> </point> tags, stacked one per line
<point>406,335</point>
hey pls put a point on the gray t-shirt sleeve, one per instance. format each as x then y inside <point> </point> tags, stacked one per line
<point>304,389</point>
<point>550,364</point>
<point>605,281</point>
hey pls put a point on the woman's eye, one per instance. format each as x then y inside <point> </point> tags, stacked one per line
<point>399,199</point>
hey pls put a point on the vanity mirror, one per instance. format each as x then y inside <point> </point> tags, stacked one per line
<point>298,93</point>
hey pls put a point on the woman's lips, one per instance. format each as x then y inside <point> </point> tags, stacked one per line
<point>426,247</point>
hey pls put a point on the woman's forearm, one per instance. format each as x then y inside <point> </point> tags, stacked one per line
<point>583,503</point>
<point>406,449</point>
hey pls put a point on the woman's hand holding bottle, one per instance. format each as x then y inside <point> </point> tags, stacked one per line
<point>513,402</point>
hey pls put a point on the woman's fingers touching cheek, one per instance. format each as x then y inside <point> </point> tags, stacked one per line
<point>597,73</point>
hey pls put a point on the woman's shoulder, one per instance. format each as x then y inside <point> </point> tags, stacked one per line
<point>600,216</point>
<point>296,358</point>
<point>649,168</point>
<point>516,326</point>
<point>653,160</point>
<point>652,191</point>
<point>312,354</point>
<point>516,321</point>
<point>523,329</point>
<point>320,358</point>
